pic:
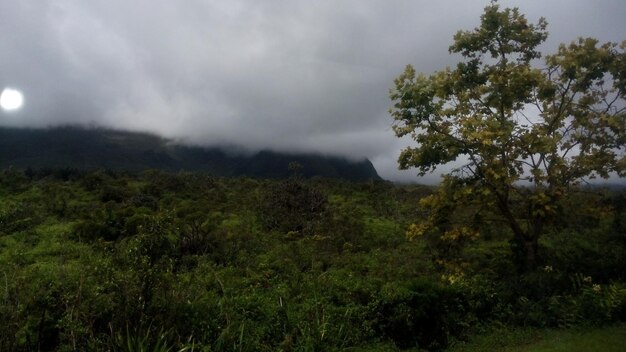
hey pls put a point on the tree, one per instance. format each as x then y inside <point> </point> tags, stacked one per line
<point>524,133</point>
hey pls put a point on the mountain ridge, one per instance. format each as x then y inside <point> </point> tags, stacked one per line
<point>93,148</point>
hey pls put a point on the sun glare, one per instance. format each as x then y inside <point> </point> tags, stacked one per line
<point>11,99</point>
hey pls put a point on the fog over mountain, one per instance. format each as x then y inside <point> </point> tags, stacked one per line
<point>286,75</point>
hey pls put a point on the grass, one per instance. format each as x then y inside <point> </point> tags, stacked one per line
<point>606,339</point>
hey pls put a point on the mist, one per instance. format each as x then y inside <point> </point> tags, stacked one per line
<point>288,76</point>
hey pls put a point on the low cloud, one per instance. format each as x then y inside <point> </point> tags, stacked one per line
<point>281,75</point>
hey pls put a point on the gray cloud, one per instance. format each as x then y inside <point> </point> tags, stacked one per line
<point>285,75</point>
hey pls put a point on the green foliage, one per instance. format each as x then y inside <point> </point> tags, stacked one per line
<point>184,262</point>
<point>422,314</point>
<point>292,206</point>
<point>187,262</point>
<point>16,217</point>
<point>509,122</point>
<point>142,340</point>
<point>610,339</point>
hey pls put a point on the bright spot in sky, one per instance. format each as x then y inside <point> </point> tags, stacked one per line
<point>11,99</point>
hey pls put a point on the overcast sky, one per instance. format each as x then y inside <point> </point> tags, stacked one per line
<point>284,75</point>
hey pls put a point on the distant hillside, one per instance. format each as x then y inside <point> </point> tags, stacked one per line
<point>93,148</point>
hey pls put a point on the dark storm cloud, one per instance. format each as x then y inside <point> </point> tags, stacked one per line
<point>286,75</point>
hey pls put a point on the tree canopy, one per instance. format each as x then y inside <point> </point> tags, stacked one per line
<point>521,132</point>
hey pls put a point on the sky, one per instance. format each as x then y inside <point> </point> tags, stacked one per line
<point>285,75</point>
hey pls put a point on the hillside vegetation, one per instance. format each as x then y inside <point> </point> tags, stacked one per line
<point>156,261</point>
<point>94,148</point>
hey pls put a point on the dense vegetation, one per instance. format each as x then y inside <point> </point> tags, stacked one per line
<point>156,261</point>
<point>116,261</point>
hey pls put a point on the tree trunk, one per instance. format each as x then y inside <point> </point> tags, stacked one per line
<point>530,255</point>
<point>525,241</point>
<point>531,243</point>
<point>525,246</point>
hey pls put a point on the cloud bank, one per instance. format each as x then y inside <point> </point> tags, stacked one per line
<point>283,75</point>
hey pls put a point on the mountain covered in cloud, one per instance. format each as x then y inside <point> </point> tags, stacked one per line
<point>94,148</point>
<point>288,76</point>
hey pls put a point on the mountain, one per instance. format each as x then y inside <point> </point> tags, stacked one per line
<point>94,148</point>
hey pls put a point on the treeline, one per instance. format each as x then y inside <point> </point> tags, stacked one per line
<point>119,261</point>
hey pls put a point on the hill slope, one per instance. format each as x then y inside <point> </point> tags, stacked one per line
<point>119,150</point>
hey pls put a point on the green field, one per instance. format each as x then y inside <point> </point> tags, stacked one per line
<point>605,339</point>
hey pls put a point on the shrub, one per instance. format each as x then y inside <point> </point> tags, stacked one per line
<point>423,314</point>
<point>292,206</point>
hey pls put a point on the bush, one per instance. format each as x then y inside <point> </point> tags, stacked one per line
<point>292,206</point>
<point>423,314</point>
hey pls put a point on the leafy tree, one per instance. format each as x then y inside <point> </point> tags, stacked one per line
<point>524,133</point>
